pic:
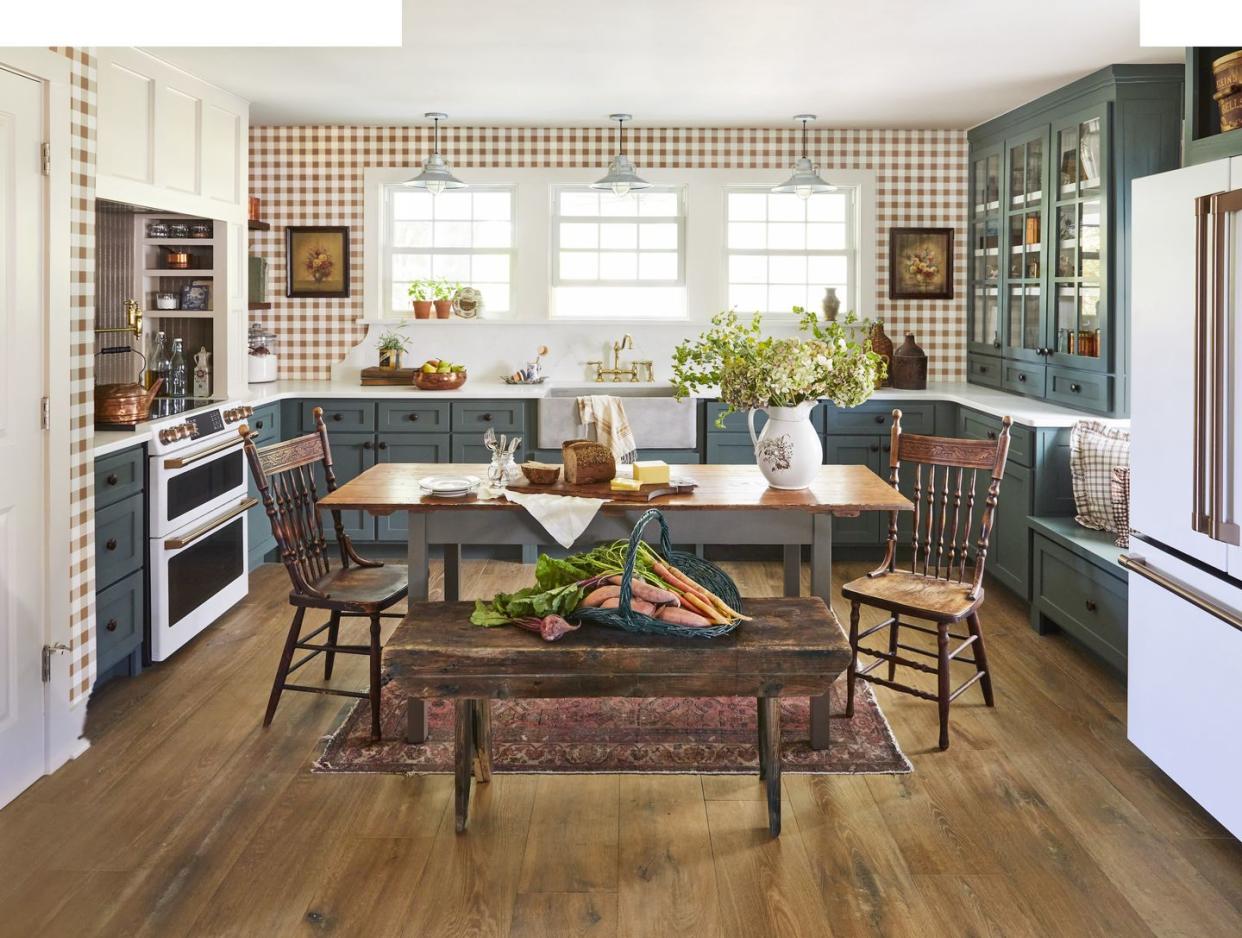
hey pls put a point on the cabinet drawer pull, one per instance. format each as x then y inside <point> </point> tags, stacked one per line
<point>111,545</point>
<point>983,369</point>
<point>112,479</point>
<point>1022,378</point>
<point>414,416</point>
<point>996,343</point>
<point>111,626</point>
<point>1075,387</point>
<point>338,417</point>
<point>367,445</point>
<point>1090,605</point>
<point>258,424</point>
<point>991,434</point>
<point>487,417</point>
<point>879,418</point>
<point>383,445</point>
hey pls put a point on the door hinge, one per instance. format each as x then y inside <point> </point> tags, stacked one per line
<point>46,152</point>
<point>48,651</point>
<point>45,413</point>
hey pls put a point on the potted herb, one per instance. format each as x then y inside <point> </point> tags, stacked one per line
<point>392,345</point>
<point>785,378</point>
<point>420,292</point>
<point>444,292</point>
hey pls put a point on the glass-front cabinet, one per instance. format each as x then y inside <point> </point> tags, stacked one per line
<point>1046,299</point>
<point>984,328</point>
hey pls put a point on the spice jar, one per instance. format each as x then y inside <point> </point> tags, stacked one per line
<point>201,229</point>
<point>178,229</point>
<point>157,229</point>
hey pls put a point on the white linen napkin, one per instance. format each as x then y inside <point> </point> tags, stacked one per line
<point>565,517</point>
<point>612,427</point>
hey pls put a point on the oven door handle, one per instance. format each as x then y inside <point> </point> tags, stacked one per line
<point>180,462</point>
<point>185,540</point>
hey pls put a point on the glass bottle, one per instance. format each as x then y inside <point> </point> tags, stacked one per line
<point>178,374</point>
<point>159,363</point>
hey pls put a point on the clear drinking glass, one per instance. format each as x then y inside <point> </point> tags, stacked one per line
<point>500,470</point>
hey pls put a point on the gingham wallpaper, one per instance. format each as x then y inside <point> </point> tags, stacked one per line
<point>81,371</point>
<point>314,176</point>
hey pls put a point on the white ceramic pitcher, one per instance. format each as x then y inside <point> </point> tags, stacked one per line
<point>788,450</point>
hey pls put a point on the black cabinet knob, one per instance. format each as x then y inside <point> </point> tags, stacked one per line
<point>413,416</point>
<point>383,445</point>
<point>258,424</point>
<point>487,417</point>
<point>1075,388</point>
<point>111,626</point>
<point>111,545</point>
<point>879,418</point>
<point>983,369</point>
<point>1090,605</point>
<point>1022,378</point>
<point>337,417</point>
<point>112,479</point>
<point>991,434</point>
<point>996,343</point>
<point>367,445</point>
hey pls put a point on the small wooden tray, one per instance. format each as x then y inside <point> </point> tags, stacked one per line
<point>602,490</point>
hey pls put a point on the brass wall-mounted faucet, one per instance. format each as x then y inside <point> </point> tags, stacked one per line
<point>616,372</point>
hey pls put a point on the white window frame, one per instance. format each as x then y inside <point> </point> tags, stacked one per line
<point>850,252</point>
<point>706,245</point>
<point>555,223</point>
<point>389,249</point>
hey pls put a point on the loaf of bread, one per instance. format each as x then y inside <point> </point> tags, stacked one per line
<point>587,461</point>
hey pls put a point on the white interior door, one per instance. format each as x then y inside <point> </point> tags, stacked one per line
<point>22,384</point>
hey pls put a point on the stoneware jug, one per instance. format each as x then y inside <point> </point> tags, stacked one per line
<point>788,450</point>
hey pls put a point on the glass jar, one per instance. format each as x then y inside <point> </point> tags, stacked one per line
<point>178,229</point>
<point>201,229</point>
<point>262,362</point>
<point>501,470</point>
<point>157,229</point>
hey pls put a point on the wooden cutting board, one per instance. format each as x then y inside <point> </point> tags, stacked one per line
<point>602,490</point>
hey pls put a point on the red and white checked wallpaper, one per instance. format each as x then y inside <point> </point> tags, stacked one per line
<point>314,176</point>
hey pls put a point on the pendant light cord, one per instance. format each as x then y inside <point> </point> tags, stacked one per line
<point>621,142</point>
<point>804,138</point>
<point>435,146</point>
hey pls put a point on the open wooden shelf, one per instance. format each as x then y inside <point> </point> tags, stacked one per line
<point>255,225</point>
<point>254,305</point>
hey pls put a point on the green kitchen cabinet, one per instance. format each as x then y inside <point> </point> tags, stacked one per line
<point>120,563</point>
<point>1202,138</point>
<point>266,423</point>
<point>352,454</point>
<point>1047,313</point>
<point>406,448</point>
<point>866,529</point>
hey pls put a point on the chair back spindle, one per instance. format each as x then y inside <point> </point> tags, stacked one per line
<point>284,474</point>
<point>943,516</point>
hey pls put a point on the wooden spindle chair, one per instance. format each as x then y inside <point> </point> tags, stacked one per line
<point>285,476</point>
<point>944,581</point>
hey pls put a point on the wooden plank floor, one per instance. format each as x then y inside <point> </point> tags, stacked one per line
<point>186,818</point>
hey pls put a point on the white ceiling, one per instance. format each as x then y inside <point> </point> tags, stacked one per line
<point>857,63</point>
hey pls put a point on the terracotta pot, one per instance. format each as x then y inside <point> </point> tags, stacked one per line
<point>422,309</point>
<point>882,345</point>
<point>444,309</point>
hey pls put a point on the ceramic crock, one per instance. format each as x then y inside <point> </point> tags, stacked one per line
<point>788,450</point>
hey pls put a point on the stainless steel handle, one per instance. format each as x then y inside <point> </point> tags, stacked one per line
<point>1136,564</point>
<point>176,543</point>
<point>180,462</point>
<point>1198,509</point>
<point>1223,527</point>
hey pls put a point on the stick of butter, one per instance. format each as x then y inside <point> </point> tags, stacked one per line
<point>625,485</point>
<point>652,471</point>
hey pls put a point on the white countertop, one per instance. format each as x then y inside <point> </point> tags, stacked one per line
<point>1023,410</point>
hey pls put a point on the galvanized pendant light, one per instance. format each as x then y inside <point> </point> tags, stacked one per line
<point>805,181</point>
<point>436,175</point>
<point>622,179</point>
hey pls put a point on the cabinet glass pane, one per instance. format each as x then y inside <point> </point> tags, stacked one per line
<point>1088,341</point>
<point>1024,310</point>
<point>1089,240</point>
<point>1034,171</point>
<point>1067,317</point>
<point>1017,175</point>
<point>1067,241</point>
<point>1016,235</point>
<point>987,184</point>
<point>1089,154</point>
<point>983,327</point>
<point>1067,161</point>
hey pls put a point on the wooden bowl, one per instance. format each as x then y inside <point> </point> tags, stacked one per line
<point>438,382</point>
<point>541,473</point>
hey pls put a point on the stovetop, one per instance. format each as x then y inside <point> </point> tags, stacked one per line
<point>164,407</point>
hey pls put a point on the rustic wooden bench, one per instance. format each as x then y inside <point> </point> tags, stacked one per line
<point>794,647</point>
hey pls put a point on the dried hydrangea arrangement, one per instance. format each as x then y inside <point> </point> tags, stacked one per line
<point>754,371</point>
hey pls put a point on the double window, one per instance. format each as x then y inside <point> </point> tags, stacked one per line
<point>463,236</point>
<point>783,251</point>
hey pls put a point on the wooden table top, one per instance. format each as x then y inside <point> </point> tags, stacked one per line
<point>389,487</point>
<point>791,642</point>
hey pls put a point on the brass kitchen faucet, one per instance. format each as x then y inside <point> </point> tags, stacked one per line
<point>616,372</point>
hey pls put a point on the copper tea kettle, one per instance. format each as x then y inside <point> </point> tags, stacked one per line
<point>127,404</point>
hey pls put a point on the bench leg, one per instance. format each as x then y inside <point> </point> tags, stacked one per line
<point>761,711</point>
<point>821,586</point>
<point>770,757</point>
<point>415,721</point>
<point>483,740</point>
<point>463,757</point>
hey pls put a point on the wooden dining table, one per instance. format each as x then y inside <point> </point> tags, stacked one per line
<point>729,505</point>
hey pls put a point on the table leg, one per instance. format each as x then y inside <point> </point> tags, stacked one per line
<point>463,757</point>
<point>793,569</point>
<point>452,573</point>
<point>821,586</point>
<point>770,757</point>
<point>530,553</point>
<point>419,589</point>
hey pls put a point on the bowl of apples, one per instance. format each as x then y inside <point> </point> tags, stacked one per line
<point>436,374</point>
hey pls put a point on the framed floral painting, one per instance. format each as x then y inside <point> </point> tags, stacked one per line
<point>920,263</point>
<point>317,261</point>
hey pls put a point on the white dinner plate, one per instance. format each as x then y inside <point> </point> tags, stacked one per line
<point>449,486</point>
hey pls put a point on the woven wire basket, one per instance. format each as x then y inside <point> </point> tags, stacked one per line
<point>707,575</point>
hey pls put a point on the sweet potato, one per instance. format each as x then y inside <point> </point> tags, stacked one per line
<point>646,591</point>
<point>638,605</point>
<point>684,617</point>
<point>597,596</point>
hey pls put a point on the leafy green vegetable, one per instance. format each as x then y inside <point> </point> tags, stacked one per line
<point>531,601</point>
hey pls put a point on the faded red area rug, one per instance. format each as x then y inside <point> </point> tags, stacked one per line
<point>713,735</point>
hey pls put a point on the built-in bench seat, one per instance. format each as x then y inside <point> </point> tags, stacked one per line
<point>1078,586</point>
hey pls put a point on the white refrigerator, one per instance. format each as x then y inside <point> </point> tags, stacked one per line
<point>1185,629</point>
